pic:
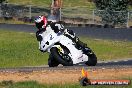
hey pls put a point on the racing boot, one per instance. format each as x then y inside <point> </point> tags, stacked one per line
<point>78,44</point>
<point>70,34</point>
<point>87,51</point>
<point>82,46</point>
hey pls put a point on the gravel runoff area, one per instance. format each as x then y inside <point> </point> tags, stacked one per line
<point>66,75</point>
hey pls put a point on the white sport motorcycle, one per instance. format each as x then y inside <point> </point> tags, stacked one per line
<point>62,50</point>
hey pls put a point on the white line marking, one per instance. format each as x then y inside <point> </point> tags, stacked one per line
<point>115,61</point>
<point>125,60</point>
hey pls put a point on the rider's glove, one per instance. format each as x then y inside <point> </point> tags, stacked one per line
<point>38,36</point>
<point>57,27</point>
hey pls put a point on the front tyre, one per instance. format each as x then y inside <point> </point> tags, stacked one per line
<point>61,58</point>
<point>52,62</point>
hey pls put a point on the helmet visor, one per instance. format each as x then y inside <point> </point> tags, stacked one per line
<point>39,25</point>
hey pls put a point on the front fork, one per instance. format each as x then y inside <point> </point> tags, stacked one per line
<point>65,56</point>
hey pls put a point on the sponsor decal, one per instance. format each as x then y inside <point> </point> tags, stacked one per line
<point>85,81</point>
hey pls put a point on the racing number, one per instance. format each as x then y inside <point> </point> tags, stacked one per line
<point>51,37</point>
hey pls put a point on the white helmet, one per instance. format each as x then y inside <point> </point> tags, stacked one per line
<point>41,22</point>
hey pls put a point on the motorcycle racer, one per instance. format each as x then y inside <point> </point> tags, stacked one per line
<point>41,23</point>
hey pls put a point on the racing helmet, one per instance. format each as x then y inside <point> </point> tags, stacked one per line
<point>41,22</point>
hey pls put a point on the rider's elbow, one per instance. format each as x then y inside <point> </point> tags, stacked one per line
<point>42,50</point>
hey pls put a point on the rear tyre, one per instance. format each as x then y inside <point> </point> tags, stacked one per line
<point>92,60</point>
<point>65,60</point>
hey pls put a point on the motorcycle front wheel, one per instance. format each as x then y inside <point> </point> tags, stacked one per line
<point>63,59</point>
<point>52,62</point>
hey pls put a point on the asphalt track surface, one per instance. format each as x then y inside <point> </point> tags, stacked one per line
<point>124,34</point>
<point>40,68</point>
<point>83,31</point>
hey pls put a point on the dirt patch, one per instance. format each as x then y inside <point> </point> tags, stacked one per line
<point>65,76</point>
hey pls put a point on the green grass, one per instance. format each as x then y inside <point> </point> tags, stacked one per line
<point>47,3</point>
<point>21,49</point>
<point>31,2</point>
<point>33,84</point>
<point>109,49</point>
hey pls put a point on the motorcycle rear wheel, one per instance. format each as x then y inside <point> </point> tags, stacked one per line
<point>92,60</point>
